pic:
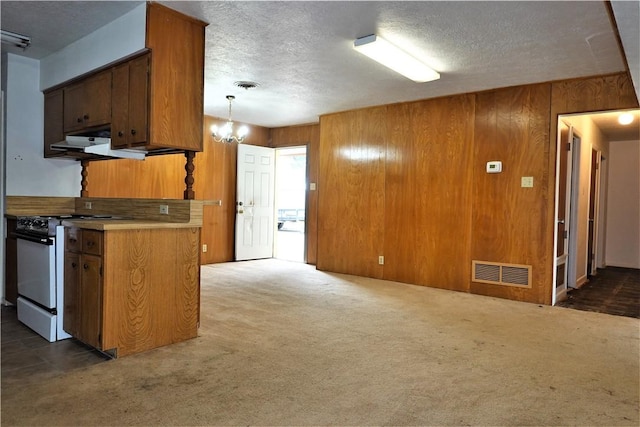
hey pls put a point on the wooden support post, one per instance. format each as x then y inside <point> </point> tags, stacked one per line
<point>189,194</point>
<point>83,182</point>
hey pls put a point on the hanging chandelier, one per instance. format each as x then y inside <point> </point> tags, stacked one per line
<point>225,133</point>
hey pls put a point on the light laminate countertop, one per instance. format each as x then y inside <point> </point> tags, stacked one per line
<point>106,224</point>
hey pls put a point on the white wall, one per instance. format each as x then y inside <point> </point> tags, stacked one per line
<point>623,205</point>
<point>28,173</point>
<point>590,138</point>
<point>119,38</point>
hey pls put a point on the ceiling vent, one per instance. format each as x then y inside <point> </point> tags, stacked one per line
<point>246,84</point>
<point>501,274</point>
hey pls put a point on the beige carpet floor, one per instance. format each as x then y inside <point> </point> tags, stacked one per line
<point>283,344</point>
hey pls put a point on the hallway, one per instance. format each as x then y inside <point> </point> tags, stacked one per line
<point>614,290</point>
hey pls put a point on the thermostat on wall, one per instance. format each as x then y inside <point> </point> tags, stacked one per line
<point>494,166</point>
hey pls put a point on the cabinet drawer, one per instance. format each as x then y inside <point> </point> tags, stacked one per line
<point>92,242</point>
<point>72,239</point>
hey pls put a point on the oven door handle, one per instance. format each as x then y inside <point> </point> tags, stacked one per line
<point>41,240</point>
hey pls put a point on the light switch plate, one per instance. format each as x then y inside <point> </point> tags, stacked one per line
<point>312,186</point>
<point>526,182</point>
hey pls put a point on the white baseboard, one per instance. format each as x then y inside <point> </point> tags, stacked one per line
<point>623,265</point>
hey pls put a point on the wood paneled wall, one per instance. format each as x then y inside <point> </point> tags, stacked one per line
<point>308,135</point>
<point>351,192</point>
<point>509,222</point>
<point>408,181</point>
<point>427,212</point>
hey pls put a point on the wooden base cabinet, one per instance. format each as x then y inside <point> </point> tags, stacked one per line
<point>83,286</point>
<point>133,290</point>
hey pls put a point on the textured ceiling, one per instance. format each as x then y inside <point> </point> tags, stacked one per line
<point>52,25</point>
<point>301,52</point>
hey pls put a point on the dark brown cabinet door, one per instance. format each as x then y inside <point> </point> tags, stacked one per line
<point>90,300</point>
<point>130,103</point>
<point>120,107</point>
<point>71,318</point>
<point>87,104</point>
<point>73,107</point>
<point>83,285</point>
<point>138,100</point>
<point>53,121</point>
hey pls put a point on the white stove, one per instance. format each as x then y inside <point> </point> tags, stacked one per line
<point>41,275</point>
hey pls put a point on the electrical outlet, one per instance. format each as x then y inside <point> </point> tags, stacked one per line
<point>204,247</point>
<point>526,182</point>
<point>381,260</point>
<point>87,205</point>
<point>164,209</point>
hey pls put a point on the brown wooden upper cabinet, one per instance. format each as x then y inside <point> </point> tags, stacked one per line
<point>152,100</point>
<point>87,104</point>
<point>129,103</point>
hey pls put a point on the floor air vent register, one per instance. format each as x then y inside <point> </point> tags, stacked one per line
<point>501,274</point>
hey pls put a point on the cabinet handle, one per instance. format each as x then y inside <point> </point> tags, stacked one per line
<point>74,265</point>
<point>86,117</point>
<point>86,266</point>
<point>90,243</point>
<point>133,131</point>
<point>79,119</point>
<point>72,240</point>
<point>120,134</point>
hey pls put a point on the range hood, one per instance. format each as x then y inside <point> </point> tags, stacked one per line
<point>96,145</point>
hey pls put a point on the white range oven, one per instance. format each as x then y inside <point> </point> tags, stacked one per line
<point>40,259</point>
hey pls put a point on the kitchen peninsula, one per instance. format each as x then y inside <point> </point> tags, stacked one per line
<point>131,273</point>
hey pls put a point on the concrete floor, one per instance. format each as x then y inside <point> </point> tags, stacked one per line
<point>290,242</point>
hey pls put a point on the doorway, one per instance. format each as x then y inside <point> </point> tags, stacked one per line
<point>290,202</point>
<point>582,247</point>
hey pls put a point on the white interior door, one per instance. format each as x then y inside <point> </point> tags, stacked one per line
<point>594,205</point>
<point>255,202</point>
<point>563,209</point>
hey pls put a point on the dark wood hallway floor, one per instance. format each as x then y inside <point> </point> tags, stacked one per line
<point>613,290</point>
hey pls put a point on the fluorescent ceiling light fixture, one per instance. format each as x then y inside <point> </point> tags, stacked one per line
<point>15,39</point>
<point>393,57</point>
<point>625,118</point>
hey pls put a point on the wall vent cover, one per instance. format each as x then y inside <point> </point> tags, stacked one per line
<point>497,273</point>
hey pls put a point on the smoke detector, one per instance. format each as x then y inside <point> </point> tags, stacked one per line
<point>246,84</point>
